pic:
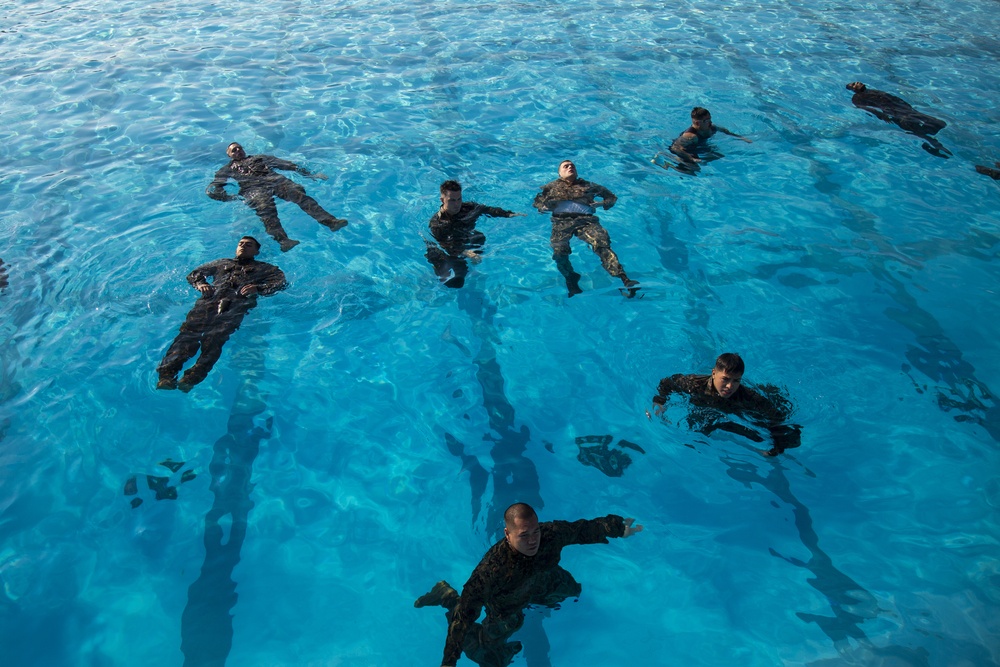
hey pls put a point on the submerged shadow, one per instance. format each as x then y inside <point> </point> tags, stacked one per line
<point>514,476</point>
<point>850,603</point>
<point>207,621</point>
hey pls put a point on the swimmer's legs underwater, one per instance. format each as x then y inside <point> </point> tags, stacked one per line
<point>293,192</point>
<point>485,644</point>
<point>261,201</point>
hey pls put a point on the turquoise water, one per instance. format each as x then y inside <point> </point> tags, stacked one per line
<point>365,428</point>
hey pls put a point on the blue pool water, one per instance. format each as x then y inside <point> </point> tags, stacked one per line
<point>365,428</point>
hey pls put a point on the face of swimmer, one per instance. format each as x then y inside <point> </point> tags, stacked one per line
<point>524,535</point>
<point>567,170</point>
<point>451,201</point>
<point>247,249</point>
<point>726,382</point>
<point>235,151</point>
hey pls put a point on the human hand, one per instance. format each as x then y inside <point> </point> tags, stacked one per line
<point>518,215</point>
<point>746,140</point>
<point>204,288</point>
<point>473,256</point>
<point>631,530</point>
<point>248,290</point>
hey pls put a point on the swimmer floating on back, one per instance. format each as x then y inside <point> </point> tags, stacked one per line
<point>894,110</point>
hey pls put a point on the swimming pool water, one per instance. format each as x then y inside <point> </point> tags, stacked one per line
<point>364,429</point>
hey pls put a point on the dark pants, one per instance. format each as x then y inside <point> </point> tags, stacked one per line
<point>451,269</point>
<point>589,229</point>
<point>207,328</point>
<point>486,644</point>
<point>261,200</point>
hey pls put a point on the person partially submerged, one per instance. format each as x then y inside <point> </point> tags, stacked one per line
<point>723,393</point>
<point>692,146</point>
<point>520,570</point>
<point>897,111</point>
<point>260,183</point>
<point>454,229</point>
<point>236,284</point>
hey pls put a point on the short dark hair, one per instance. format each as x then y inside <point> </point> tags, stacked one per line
<point>451,186</point>
<point>700,113</point>
<point>730,362</point>
<point>256,242</point>
<point>518,511</point>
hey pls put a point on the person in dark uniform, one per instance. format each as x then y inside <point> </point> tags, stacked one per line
<point>260,184</point>
<point>236,284</point>
<point>454,228</point>
<point>723,392</point>
<point>571,200</point>
<point>989,171</point>
<point>894,110</point>
<point>520,570</point>
<point>692,146</point>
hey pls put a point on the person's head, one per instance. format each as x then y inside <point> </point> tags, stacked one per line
<point>700,116</point>
<point>247,248</point>
<point>451,196</point>
<point>727,374</point>
<point>567,170</point>
<point>235,151</point>
<point>520,527</point>
<point>857,86</point>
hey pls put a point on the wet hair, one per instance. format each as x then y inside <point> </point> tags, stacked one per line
<point>700,113</point>
<point>518,511</point>
<point>564,162</point>
<point>451,186</point>
<point>256,242</point>
<point>730,362</point>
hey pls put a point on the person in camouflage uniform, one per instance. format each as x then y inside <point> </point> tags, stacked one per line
<point>521,569</point>
<point>571,200</point>
<point>458,240</point>
<point>723,392</point>
<point>236,284</point>
<point>260,184</point>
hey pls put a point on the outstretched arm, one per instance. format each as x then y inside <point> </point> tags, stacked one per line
<point>495,212</point>
<point>287,165</point>
<point>732,134</point>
